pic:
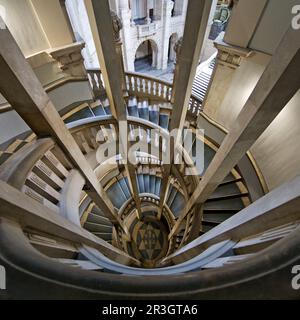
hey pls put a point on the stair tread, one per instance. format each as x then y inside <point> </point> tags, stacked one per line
<point>229,196</point>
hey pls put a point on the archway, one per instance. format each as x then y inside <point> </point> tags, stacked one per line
<point>145,56</point>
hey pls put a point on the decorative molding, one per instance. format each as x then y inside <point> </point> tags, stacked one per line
<point>228,59</point>
<point>70,59</point>
<point>228,55</point>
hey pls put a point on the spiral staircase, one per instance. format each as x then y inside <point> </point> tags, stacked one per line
<point>72,226</point>
<point>52,182</point>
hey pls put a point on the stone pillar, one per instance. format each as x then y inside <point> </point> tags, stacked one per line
<point>53,22</point>
<point>172,56</point>
<point>117,26</point>
<point>148,19</point>
<point>229,58</point>
<point>123,5</point>
<point>177,48</point>
<point>178,8</point>
<point>209,25</point>
<point>106,31</point>
<point>158,9</point>
<point>126,18</point>
<point>243,22</point>
<point>167,10</point>
<point>187,49</point>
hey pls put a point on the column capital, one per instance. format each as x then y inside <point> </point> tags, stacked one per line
<point>70,59</point>
<point>228,55</point>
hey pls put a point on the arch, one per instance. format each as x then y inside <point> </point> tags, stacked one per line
<point>149,53</point>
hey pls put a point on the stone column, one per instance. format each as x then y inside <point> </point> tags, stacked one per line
<point>166,20</point>
<point>158,9</point>
<point>117,26</point>
<point>126,18</point>
<point>229,58</point>
<point>106,32</point>
<point>172,49</point>
<point>178,9</point>
<point>123,5</point>
<point>188,51</point>
<point>53,22</point>
<point>148,19</point>
<point>243,22</point>
<point>209,25</point>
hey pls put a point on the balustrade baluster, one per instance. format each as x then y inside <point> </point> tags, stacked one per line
<point>135,84</point>
<point>147,87</point>
<point>143,85</point>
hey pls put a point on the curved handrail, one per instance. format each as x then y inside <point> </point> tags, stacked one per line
<point>6,107</point>
<point>35,216</point>
<point>214,252</point>
<point>78,125</point>
<point>240,280</point>
<point>142,75</point>
<point>275,208</point>
<point>16,169</point>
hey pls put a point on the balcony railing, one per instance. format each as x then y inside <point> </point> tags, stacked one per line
<point>146,30</point>
<point>141,85</point>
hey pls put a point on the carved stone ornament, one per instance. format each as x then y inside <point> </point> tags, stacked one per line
<point>117,25</point>
<point>229,59</point>
<point>178,45</point>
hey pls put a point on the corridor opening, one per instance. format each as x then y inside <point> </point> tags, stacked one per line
<point>145,57</point>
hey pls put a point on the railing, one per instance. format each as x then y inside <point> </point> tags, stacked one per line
<point>95,78</point>
<point>35,276</point>
<point>14,143</point>
<point>143,86</point>
<point>148,87</point>
<point>266,213</point>
<point>194,108</point>
<point>41,176</point>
